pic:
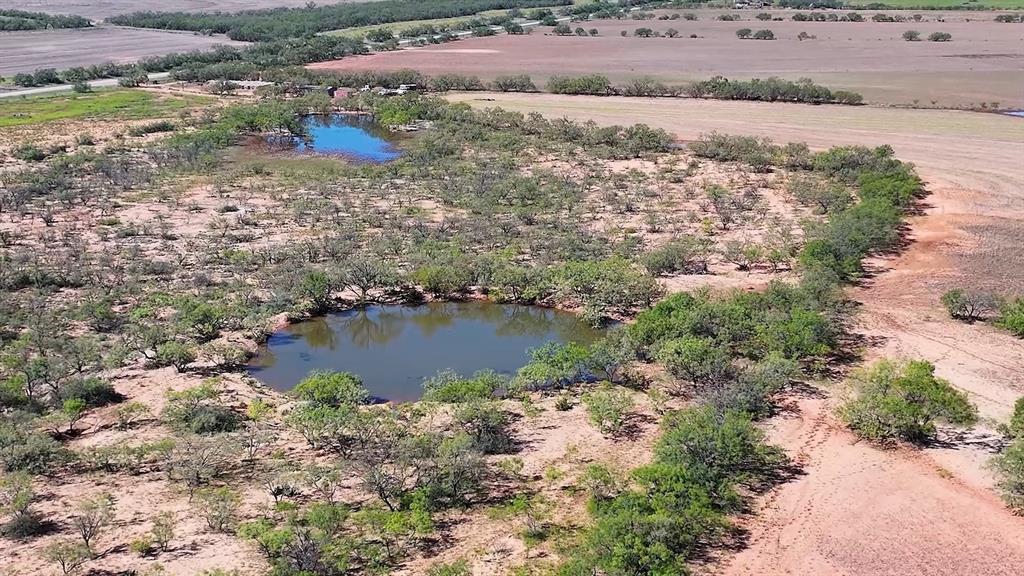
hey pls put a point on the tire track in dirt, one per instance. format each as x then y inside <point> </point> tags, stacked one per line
<point>861,510</point>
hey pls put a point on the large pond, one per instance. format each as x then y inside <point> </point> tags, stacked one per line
<point>393,348</point>
<point>353,136</point>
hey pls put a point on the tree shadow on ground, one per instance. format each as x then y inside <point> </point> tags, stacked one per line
<point>634,426</point>
<point>786,406</point>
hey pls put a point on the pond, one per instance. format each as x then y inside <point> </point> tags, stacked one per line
<point>393,348</point>
<point>353,136</point>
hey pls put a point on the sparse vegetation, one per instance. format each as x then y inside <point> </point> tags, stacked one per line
<point>124,360</point>
<point>608,408</point>
<point>969,306</point>
<point>1011,316</point>
<point>1009,467</point>
<point>91,518</point>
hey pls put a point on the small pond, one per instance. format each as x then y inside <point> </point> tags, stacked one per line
<point>353,136</point>
<point>393,348</point>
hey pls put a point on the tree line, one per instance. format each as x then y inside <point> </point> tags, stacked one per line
<point>277,23</point>
<point>21,20</point>
<point>767,90</point>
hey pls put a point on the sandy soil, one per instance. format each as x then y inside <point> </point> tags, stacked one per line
<point>99,9</point>
<point>861,510</point>
<point>60,49</point>
<point>983,63</point>
<point>557,447</point>
<point>858,509</point>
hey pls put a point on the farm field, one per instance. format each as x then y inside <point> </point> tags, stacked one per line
<point>975,210</point>
<point>61,49</point>
<point>100,9</point>
<point>397,27</point>
<point>983,64</point>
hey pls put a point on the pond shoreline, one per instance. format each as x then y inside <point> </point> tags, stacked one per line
<point>394,344</point>
<point>354,136</point>
<point>283,320</point>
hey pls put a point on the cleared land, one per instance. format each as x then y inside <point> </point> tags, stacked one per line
<point>60,49</point>
<point>931,513</point>
<point>983,64</point>
<point>99,9</point>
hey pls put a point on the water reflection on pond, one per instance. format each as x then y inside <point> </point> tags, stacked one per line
<point>353,136</point>
<point>393,347</point>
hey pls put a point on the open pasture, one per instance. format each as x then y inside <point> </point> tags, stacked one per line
<point>983,64</point>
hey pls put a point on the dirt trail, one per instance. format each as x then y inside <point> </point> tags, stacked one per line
<point>858,510</point>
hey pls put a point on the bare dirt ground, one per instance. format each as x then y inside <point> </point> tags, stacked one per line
<point>60,49</point>
<point>861,510</point>
<point>983,64</point>
<point>99,9</point>
<point>858,509</point>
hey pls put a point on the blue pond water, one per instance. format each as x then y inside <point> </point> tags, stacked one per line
<point>355,137</point>
<point>394,348</point>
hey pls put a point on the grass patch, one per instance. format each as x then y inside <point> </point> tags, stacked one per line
<point>284,166</point>
<point>125,104</point>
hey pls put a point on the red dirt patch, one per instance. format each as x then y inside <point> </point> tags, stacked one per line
<point>869,57</point>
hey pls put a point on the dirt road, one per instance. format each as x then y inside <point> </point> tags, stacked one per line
<point>859,510</point>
